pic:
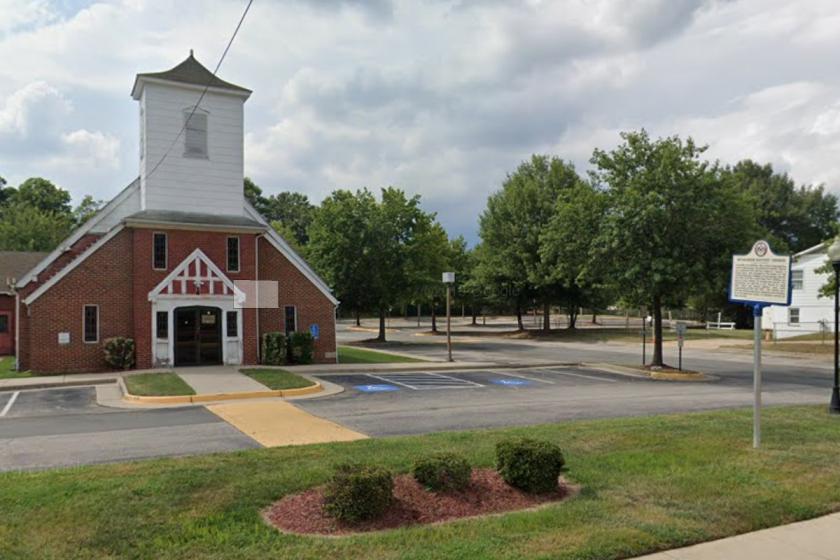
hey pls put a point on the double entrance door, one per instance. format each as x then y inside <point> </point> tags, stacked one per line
<point>198,336</point>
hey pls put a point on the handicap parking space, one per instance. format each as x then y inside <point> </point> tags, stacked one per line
<point>491,379</point>
<point>49,402</point>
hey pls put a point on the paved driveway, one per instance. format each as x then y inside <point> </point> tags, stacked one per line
<point>65,427</point>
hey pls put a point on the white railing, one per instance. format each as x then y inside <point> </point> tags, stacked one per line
<point>720,325</point>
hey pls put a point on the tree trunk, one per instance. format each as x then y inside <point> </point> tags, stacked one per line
<point>381,337</point>
<point>418,314</point>
<point>657,332</point>
<point>594,317</point>
<point>358,319</point>
<point>518,317</point>
<point>474,316</point>
<point>573,315</point>
<point>434,317</point>
<point>546,316</point>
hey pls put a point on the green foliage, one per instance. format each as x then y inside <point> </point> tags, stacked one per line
<point>43,195</point>
<point>294,211</point>
<point>442,472</point>
<point>273,349</point>
<point>300,347</point>
<point>119,352</point>
<point>28,228</point>
<point>529,464</point>
<point>86,209</point>
<point>359,492</point>
<point>374,254</point>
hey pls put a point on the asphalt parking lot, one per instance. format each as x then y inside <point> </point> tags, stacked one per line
<point>417,402</point>
<point>65,427</point>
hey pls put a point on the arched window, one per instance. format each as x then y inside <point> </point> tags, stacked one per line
<point>195,133</point>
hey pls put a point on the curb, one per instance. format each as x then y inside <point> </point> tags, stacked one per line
<point>653,375</point>
<point>59,384</point>
<point>215,397</point>
<point>424,366</point>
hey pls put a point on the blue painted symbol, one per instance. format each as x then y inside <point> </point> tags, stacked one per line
<point>511,382</point>
<point>376,388</point>
<point>314,330</point>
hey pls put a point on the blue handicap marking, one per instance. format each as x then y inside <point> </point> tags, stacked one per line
<point>511,382</point>
<point>376,388</point>
<point>314,330</point>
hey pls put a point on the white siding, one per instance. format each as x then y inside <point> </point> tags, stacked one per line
<point>812,309</point>
<point>212,185</point>
<point>120,210</point>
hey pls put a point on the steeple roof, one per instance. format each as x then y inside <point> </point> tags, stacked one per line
<point>190,71</point>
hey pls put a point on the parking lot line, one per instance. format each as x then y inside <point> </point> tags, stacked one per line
<point>526,377</point>
<point>563,372</point>
<point>426,381</point>
<point>9,404</point>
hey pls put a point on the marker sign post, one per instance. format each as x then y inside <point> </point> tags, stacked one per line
<point>681,329</point>
<point>759,278</point>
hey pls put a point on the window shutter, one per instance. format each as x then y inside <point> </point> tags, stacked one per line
<point>195,135</point>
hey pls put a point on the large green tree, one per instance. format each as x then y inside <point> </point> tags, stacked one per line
<point>792,218</point>
<point>662,228</point>
<point>511,225</point>
<point>28,228</point>
<point>294,211</point>
<point>43,195</point>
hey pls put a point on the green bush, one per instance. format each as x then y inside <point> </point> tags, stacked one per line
<point>119,352</point>
<point>528,464</point>
<point>442,472</point>
<point>274,348</point>
<point>359,492</point>
<point>301,346</point>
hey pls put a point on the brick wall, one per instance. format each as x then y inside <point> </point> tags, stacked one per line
<point>313,307</point>
<point>7,304</point>
<point>103,279</point>
<point>180,244</point>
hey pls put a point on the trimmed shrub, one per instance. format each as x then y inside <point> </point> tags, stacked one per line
<point>359,492</point>
<point>119,352</point>
<point>442,472</point>
<point>301,346</point>
<point>528,464</point>
<point>274,348</point>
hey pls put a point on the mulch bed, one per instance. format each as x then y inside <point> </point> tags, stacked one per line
<point>413,505</point>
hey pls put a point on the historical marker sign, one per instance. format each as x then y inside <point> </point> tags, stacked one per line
<point>760,277</point>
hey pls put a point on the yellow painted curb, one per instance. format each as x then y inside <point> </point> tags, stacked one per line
<point>677,376</point>
<point>276,423</point>
<point>210,397</point>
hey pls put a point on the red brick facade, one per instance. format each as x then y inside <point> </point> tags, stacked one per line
<point>7,339</point>
<point>118,278</point>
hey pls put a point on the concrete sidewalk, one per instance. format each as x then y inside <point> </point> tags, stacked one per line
<point>218,379</point>
<point>817,539</point>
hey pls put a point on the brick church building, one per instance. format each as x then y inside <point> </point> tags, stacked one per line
<point>166,261</point>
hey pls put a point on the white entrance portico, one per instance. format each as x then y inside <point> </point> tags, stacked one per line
<point>196,284</point>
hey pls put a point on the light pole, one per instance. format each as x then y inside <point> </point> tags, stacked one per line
<point>834,256</point>
<point>449,279</point>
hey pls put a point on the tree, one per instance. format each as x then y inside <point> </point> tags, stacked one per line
<point>43,195</point>
<point>661,229</point>
<point>86,209</point>
<point>511,225</point>
<point>28,228</point>
<point>792,219</point>
<point>5,192</point>
<point>294,211</point>
<point>254,195</point>
<point>568,243</point>
<point>430,257</point>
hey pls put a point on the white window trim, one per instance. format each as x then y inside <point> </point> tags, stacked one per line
<point>793,282</point>
<point>238,254</point>
<point>284,318</point>
<point>165,250</point>
<point>238,325</point>
<point>190,111</point>
<point>84,326</point>
<point>157,336</point>
<point>798,316</point>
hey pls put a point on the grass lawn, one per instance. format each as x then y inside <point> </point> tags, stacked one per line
<point>277,379</point>
<point>648,484</point>
<point>355,355</point>
<point>7,369</point>
<point>157,384</point>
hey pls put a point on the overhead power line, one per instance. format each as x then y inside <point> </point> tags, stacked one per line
<point>203,91</point>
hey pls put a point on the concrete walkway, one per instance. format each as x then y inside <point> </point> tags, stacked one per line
<point>218,379</point>
<point>817,539</point>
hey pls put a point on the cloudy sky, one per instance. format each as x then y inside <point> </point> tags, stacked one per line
<point>440,97</point>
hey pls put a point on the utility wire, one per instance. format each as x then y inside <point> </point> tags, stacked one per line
<point>203,92</point>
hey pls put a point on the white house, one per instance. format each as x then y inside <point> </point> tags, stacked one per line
<point>808,312</point>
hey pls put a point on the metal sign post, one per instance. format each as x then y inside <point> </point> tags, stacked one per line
<point>681,329</point>
<point>449,279</point>
<point>759,278</point>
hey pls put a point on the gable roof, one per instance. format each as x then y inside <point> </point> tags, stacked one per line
<point>192,72</point>
<point>189,271</point>
<point>14,265</point>
<point>815,249</point>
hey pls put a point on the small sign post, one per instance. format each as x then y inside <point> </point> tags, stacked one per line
<point>759,278</point>
<point>681,329</point>
<point>449,279</point>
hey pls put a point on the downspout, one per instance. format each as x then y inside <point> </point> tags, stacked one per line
<point>257,291</point>
<point>17,330</point>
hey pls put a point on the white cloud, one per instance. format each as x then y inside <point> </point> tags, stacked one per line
<point>441,97</point>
